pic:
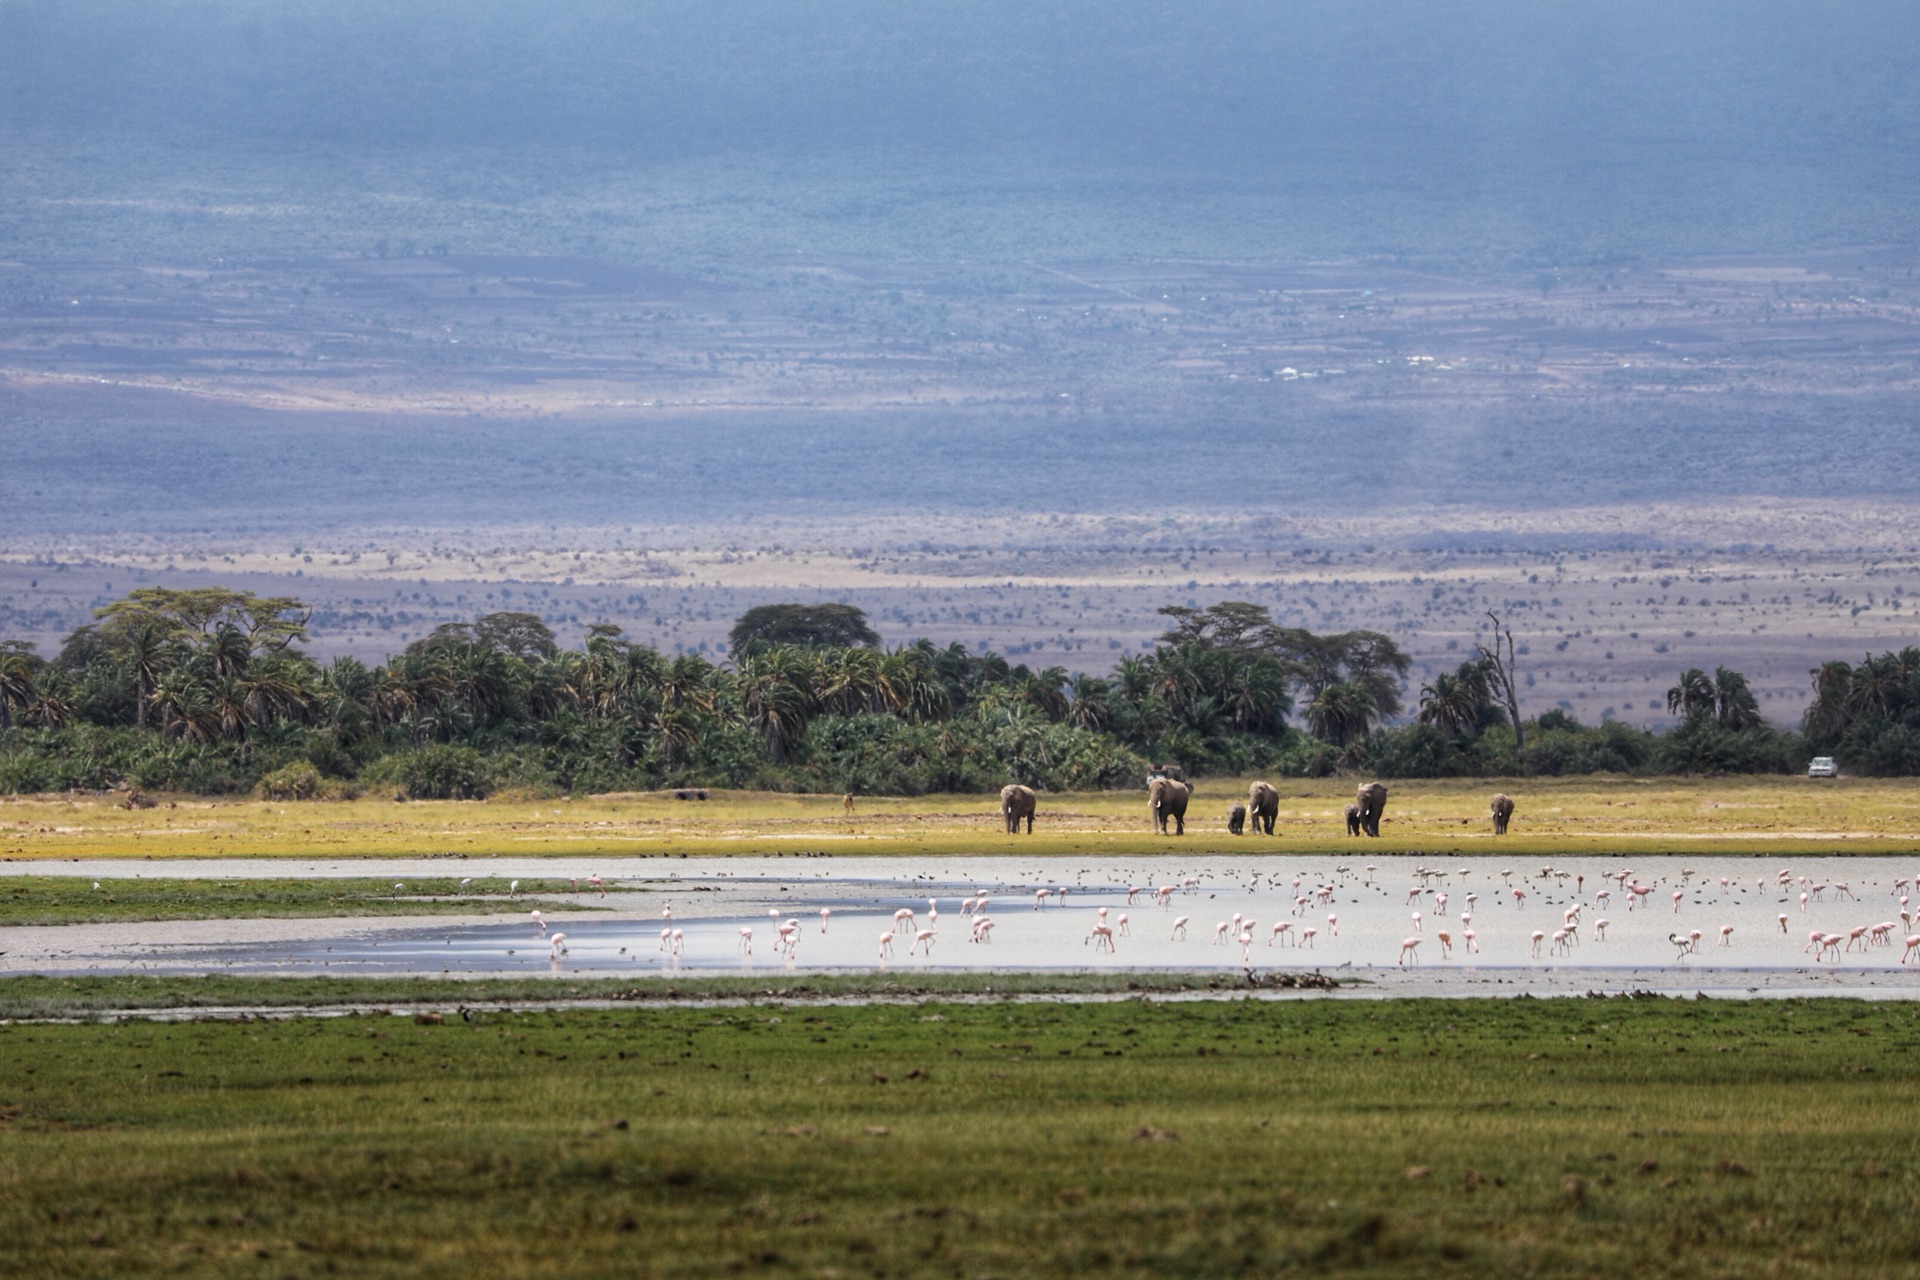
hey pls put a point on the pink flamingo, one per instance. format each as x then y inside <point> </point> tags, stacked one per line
<point>1189,884</point>
<point>903,920</point>
<point>539,924</point>
<point>1446,944</point>
<point>1473,900</point>
<point>982,929</point>
<point>1439,904</point>
<point>1913,943</point>
<point>1814,941</point>
<point>558,947</point>
<point>924,941</point>
<point>788,937</point>
<point>1220,933</point>
<point>1413,895</point>
<point>1165,894</point>
<point>666,939</point>
<point>1881,935</point>
<point>1040,898</point>
<point>826,913</point>
<point>679,941</point>
<point>1472,941</point>
<point>1101,937</point>
<point>1803,904</point>
<point>746,940</point>
<point>1693,940</point>
<point>1726,935</point>
<point>1519,897</point>
<point>595,882</point>
<point>1279,929</point>
<point>1179,929</point>
<point>1600,929</point>
<point>1246,947</point>
<point>1416,923</point>
<point>1538,936</point>
<point>1832,943</point>
<point>1307,935</point>
<point>1677,895</point>
<point>1134,891</point>
<point>1120,925</point>
<point>1333,926</point>
<point>1409,948</point>
<point>886,945</point>
<point>1855,935</point>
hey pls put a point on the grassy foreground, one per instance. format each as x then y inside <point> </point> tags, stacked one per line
<point>1590,1138</point>
<point>1562,816</point>
<point>42,900</point>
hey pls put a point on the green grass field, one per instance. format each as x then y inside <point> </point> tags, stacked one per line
<point>1556,816</point>
<point>41,900</point>
<point>1211,1138</point>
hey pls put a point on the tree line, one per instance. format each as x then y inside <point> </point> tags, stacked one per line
<point>208,690</point>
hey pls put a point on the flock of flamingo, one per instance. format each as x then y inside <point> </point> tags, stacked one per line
<point>1434,900</point>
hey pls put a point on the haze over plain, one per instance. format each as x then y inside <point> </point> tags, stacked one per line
<point>872,294</point>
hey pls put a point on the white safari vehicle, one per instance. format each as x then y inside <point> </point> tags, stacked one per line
<point>1823,767</point>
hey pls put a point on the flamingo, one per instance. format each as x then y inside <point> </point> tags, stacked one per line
<point>903,920</point>
<point>1783,922</point>
<point>1693,941</point>
<point>1409,948</point>
<point>666,939</point>
<point>1120,925</point>
<point>1855,935</point>
<point>886,945</point>
<point>1416,923</point>
<point>1279,929</point>
<point>1134,891</point>
<point>513,888</point>
<point>1179,929</point>
<point>679,941</point>
<point>982,929</point>
<point>1333,926</point>
<point>1726,935</point>
<point>1471,940</point>
<point>1681,941</point>
<point>1446,944</point>
<point>1677,895</point>
<point>1832,943</point>
<point>1101,937</point>
<point>595,882</point>
<point>1913,943</point>
<point>746,940</point>
<point>558,946</point>
<point>1165,894</point>
<point>539,924</point>
<point>825,914</point>
<point>1220,933</point>
<point>1600,929</point>
<point>1519,897</point>
<point>1535,950</point>
<point>1040,898</point>
<point>1814,941</point>
<point>1307,935</point>
<point>1246,947</point>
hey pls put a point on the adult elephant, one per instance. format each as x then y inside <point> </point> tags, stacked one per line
<point>1263,806</point>
<point>1372,800</point>
<point>1169,800</point>
<point>1502,813</point>
<point>1017,802</point>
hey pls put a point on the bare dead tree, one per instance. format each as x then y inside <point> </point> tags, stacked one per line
<point>1499,660</point>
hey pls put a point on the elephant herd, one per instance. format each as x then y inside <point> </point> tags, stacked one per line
<point>1167,798</point>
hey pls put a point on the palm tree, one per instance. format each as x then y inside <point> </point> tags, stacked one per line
<point>1734,705</point>
<point>1693,696</point>
<point>1340,713</point>
<point>146,651</point>
<point>16,683</point>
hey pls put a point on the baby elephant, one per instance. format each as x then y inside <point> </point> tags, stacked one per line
<point>1353,819</point>
<point>1502,813</point>
<point>1237,820</point>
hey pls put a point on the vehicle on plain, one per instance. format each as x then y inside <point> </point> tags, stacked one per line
<point>1823,767</point>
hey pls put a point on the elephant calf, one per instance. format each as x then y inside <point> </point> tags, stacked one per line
<point>1237,820</point>
<point>1353,819</point>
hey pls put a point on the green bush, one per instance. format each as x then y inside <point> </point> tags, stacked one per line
<point>297,781</point>
<point>438,772</point>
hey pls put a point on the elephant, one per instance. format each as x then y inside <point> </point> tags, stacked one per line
<point>1372,800</point>
<point>1237,820</point>
<point>1502,813</point>
<point>1169,800</point>
<point>1353,819</point>
<point>1017,802</point>
<point>1263,806</point>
